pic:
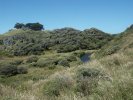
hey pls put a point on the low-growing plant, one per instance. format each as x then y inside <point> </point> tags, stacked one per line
<point>22,70</point>
<point>85,86</point>
<point>57,85</point>
<point>87,72</point>
<point>11,70</point>
<point>16,62</point>
<point>43,62</point>
<point>71,58</point>
<point>64,63</point>
<point>8,70</point>
<point>32,58</point>
<point>79,54</point>
<point>87,80</point>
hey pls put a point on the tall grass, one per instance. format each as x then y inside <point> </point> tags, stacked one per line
<point>109,78</point>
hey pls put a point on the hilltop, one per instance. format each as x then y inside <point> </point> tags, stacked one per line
<point>26,42</point>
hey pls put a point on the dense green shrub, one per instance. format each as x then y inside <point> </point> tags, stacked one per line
<point>11,70</point>
<point>8,70</point>
<point>88,72</point>
<point>19,25</point>
<point>64,63</point>
<point>27,49</point>
<point>67,48</point>
<point>33,26</point>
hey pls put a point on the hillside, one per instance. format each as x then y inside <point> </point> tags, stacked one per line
<point>25,42</point>
<point>120,43</point>
<point>38,65</point>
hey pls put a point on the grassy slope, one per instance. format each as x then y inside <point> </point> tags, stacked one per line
<point>121,42</point>
<point>113,83</point>
<point>116,84</point>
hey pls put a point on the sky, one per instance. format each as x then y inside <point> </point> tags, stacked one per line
<point>111,16</point>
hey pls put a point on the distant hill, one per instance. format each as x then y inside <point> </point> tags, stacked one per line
<point>121,42</point>
<point>25,42</point>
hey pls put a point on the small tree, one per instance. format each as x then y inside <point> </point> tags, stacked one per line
<point>34,26</point>
<point>19,25</point>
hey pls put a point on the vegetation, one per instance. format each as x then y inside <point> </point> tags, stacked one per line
<point>11,70</point>
<point>42,66</point>
<point>32,26</point>
<point>28,42</point>
<point>120,42</point>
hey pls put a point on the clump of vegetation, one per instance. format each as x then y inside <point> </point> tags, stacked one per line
<point>43,62</point>
<point>71,58</point>
<point>88,72</point>
<point>59,84</point>
<point>32,26</point>
<point>16,62</point>
<point>22,70</point>
<point>8,70</point>
<point>87,80</point>
<point>11,70</point>
<point>64,63</point>
<point>31,59</point>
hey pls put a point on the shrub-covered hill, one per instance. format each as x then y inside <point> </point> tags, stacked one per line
<point>121,42</point>
<point>23,42</point>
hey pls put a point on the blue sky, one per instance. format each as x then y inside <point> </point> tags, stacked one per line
<point>111,16</point>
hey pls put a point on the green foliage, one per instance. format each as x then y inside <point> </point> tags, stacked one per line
<point>79,54</point>
<point>87,80</point>
<point>8,70</point>
<point>19,25</point>
<point>27,42</point>
<point>32,26</point>
<point>119,43</point>
<point>67,48</point>
<point>85,86</point>
<point>107,51</point>
<point>11,70</point>
<point>5,53</point>
<point>57,85</point>
<point>87,72</point>
<point>71,58</point>
<point>42,62</point>
<point>64,63</point>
